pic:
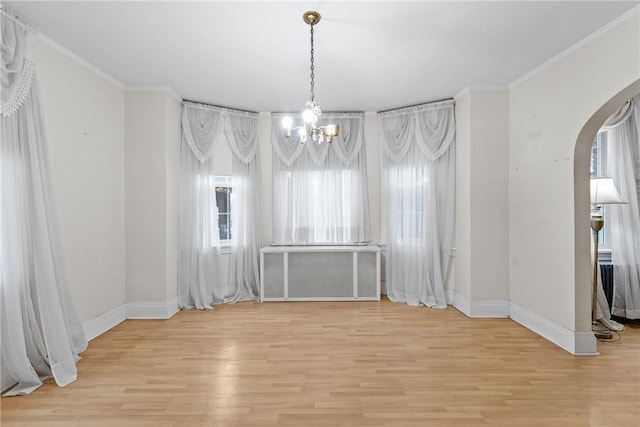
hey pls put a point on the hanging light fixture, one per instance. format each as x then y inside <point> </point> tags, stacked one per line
<point>312,110</point>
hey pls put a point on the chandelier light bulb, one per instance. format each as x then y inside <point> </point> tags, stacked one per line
<point>302,133</point>
<point>287,122</point>
<point>309,116</point>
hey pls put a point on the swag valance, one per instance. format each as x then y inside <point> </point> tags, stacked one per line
<point>17,68</point>
<point>430,126</point>
<point>347,144</point>
<point>203,124</point>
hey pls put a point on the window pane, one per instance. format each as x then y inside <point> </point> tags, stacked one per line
<point>223,201</point>
<point>599,168</point>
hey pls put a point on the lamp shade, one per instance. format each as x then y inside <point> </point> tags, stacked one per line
<point>603,191</point>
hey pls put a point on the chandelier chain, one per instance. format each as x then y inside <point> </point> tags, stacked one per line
<point>312,67</point>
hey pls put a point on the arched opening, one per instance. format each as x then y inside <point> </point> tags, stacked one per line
<point>582,158</point>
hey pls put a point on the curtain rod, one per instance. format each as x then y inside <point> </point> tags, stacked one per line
<point>415,105</point>
<point>15,18</point>
<point>324,112</point>
<point>237,110</point>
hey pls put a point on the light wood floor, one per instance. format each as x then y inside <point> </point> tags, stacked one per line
<point>336,364</point>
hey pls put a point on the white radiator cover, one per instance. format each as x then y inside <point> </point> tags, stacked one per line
<point>320,273</point>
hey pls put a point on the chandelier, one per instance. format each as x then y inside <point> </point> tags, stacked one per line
<point>312,111</point>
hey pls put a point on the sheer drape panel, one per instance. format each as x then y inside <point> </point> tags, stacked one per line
<point>40,331</point>
<point>245,216</point>
<point>418,179</point>
<point>199,272</point>
<point>320,190</point>
<point>199,247</point>
<point>624,220</point>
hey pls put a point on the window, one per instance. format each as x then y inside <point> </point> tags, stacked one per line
<point>321,205</point>
<point>408,199</point>
<point>599,168</point>
<point>599,154</point>
<point>224,202</point>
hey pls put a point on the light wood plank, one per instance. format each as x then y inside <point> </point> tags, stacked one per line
<point>336,364</point>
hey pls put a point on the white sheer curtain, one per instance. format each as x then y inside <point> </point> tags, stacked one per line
<point>41,334</point>
<point>418,180</point>
<point>320,190</point>
<point>200,282</point>
<point>624,167</point>
<point>245,215</point>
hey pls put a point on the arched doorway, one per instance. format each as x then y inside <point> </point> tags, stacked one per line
<point>582,158</point>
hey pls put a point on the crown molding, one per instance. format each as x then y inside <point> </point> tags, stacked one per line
<point>161,88</point>
<point>80,60</point>
<point>572,49</point>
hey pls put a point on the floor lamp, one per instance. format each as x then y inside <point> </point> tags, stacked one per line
<point>603,191</point>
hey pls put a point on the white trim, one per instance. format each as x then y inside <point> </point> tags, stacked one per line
<point>494,309</point>
<point>261,294</point>
<point>77,58</point>
<point>460,302</point>
<point>572,49</point>
<point>152,310</point>
<point>490,308</point>
<point>462,93</point>
<point>162,88</point>
<point>469,89</point>
<point>378,280</point>
<point>576,343</point>
<point>105,321</point>
<point>586,344</point>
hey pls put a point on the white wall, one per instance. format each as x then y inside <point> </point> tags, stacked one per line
<point>266,167</point>
<point>462,284</point>
<point>152,134</point>
<point>372,146</point>
<point>549,238</point>
<point>84,117</point>
<point>482,232</point>
<point>173,107</point>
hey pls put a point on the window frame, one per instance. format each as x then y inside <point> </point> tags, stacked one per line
<point>225,181</point>
<point>598,167</point>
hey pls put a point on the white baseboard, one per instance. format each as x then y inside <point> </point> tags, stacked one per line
<point>152,310</point>
<point>461,303</point>
<point>140,310</point>
<point>576,343</point>
<point>478,309</point>
<point>102,323</point>
<point>490,308</point>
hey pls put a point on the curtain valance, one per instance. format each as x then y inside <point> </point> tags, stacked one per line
<point>347,144</point>
<point>17,68</point>
<point>620,116</point>
<point>430,126</point>
<point>202,124</point>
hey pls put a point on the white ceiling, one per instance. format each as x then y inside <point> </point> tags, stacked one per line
<point>369,55</point>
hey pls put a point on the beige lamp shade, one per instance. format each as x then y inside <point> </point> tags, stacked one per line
<point>603,191</point>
